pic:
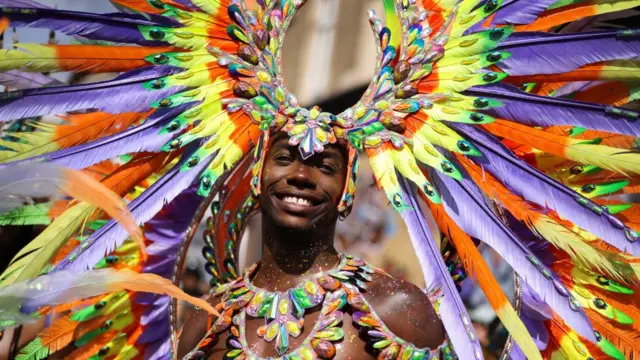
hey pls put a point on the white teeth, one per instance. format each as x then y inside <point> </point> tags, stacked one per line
<point>297,200</point>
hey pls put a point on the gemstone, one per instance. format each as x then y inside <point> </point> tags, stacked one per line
<point>283,306</point>
<point>302,298</point>
<point>476,117</point>
<point>407,351</point>
<point>293,328</point>
<point>161,59</point>
<point>272,331</point>
<point>262,330</point>
<point>323,348</point>
<point>311,287</point>
<point>382,344</point>
<point>282,343</point>
<point>600,304</point>
<point>244,90</point>
<point>266,305</point>
<point>406,91</point>
<point>358,303</point>
<point>494,56</point>
<point>156,34</point>
<point>261,38</point>
<point>331,334</point>
<point>496,34</point>
<point>246,53</point>
<point>490,76</point>
<point>401,71</point>
<point>307,353</point>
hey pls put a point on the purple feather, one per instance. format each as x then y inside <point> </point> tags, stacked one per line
<point>534,110</point>
<point>515,12</point>
<point>466,206</point>
<point>124,93</point>
<point>155,331</point>
<point>111,235</point>
<point>436,275</point>
<point>137,139</point>
<point>162,266</point>
<point>116,27</point>
<point>544,53</point>
<point>155,311</point>
<point>146,298</point>
<point>520,11</point>
<point>18,80</point>
<point>527,182</point>
<point>159,350</point>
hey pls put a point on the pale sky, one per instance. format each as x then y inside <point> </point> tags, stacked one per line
<point>41,36</point>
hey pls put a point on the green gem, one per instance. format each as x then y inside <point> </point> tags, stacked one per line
<point>282,340</point>
<point>331,334</point>
<point>302,298</point>
<point>156,34</point>
<point>266,305</point>
<point>382,344</point>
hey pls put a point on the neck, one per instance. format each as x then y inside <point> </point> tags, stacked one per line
<point>290,257</point>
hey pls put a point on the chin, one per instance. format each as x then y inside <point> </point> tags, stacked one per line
<point>295,223</point>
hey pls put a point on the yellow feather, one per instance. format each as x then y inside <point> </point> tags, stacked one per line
<point>30,261</point>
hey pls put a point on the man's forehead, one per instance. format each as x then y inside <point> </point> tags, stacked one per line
<point>281,140</point>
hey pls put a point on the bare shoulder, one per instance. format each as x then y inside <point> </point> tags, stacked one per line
<point>405,310</point>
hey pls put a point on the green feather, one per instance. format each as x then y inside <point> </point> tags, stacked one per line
<point>33,351</point>
<point>27,215</point>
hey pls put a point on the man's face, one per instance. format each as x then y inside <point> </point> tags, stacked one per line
<point>302,194</point>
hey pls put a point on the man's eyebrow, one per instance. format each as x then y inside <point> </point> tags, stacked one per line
<point>332,153</point>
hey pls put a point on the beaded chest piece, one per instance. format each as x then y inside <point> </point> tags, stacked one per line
<point>336,290</point>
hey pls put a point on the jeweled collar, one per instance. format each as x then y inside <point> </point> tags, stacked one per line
<point>284,316</point>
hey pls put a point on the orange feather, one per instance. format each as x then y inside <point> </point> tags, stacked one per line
<point>476,266</point>
<point>82,128</point>
<point>82,187</point>
<point>59,334</point>
<point>145,6</point>
<point>529,136</point>
<point>100,59</point>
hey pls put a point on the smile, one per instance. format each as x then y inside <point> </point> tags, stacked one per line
<point>297,200</point>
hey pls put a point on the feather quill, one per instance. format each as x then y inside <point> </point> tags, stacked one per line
<point>436,276</point>
<point>605,157</point>
<point>18,80</point>
<point>66,286</point>
<point>547,227</point>
<point>465,206</point>
<point>475,266</point>
<point>534,110</point>
<point>542,53</point>
<point>125,93</point>
<point>117,27</point>
<point>527,182</point>
<point>144,207</point>
<point>58,335</point>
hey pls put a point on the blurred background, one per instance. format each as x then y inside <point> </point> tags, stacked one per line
<point>329,59</point>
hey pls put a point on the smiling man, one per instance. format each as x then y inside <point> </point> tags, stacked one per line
<point>303,295</point>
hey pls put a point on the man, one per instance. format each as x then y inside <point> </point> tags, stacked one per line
<point>299,200</point>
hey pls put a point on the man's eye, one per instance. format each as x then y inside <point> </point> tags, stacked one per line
<point>283,158</point>
<point>328,168</point>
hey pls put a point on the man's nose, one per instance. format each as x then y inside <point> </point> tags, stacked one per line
<point>301,177</point>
